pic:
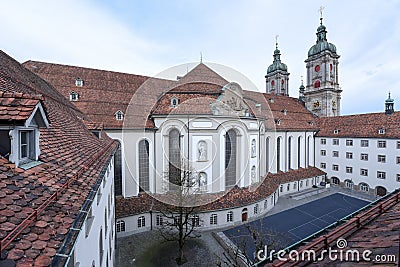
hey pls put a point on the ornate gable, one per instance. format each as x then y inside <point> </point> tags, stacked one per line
<point>230,102</point>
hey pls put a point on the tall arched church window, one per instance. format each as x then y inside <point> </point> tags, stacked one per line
<point>144,171</point>
<point>230,158</point>
<point>174,157</point>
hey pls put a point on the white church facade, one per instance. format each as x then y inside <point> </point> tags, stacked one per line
<point>231,138</point>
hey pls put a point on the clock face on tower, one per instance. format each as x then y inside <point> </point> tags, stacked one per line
<point>317,68</point>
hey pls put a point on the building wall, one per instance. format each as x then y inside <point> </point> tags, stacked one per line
<point>263,206</point>
<point>252,154</point>
<point>87,249</point>
<point>390,167</point>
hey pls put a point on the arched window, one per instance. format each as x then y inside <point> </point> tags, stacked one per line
<point>308,150</point>
<point>349,184</point>
<point>244,215</point>
<point>364,187</point>
<point>101,248</point>
<point>230,158</point>
<point>267,154</point>
<point>290,152</point>
<point>144,170</point>
<point>141,222</point>
<point>278,154</point>
<point>118,170</point>
<point>335,180</point>
<point>120,226</point>
<point>299,152</point>
<point>174,157</point>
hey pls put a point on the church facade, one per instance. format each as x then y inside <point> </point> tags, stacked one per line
<point>232,139</point>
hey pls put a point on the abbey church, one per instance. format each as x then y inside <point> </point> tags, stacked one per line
<point>123,138</point>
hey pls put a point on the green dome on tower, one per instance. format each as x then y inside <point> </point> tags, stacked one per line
<point>322,43</point>
<point>277,64</point>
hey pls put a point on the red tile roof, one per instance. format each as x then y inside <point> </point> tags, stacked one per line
<point>361,125</point>
<point>72,156</point>
<point>17,106</point>
<point>376,229</point>
<point>105,92</point>
<point>236,197</point>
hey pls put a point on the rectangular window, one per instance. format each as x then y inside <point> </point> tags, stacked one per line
<point>381,175</point>
<point>335,142</point>
<point>364,156</point>
<point>323,152</point>
<point>229,215</point>
<point>382,158</point>
<point>398,160</point>
<point>213,219</point>
<point>349,142</point>
<point>349,155</point>
<point>349,169</point>
<point>27,145</point>
<point>323,165</point>
<point>381,144</point>
<point>364,143</point>
<point>335,154</point>
<point>196,221</point>
<point>323,141</point>
<point>398,144</point>
<point>159,220</point>
<point>335,167</point>
<point>398,178</point>
<point>364,172</point>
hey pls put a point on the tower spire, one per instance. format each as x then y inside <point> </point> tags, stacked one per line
<point>276,41</point>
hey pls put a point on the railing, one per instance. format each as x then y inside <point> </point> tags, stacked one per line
<point>5,242</point>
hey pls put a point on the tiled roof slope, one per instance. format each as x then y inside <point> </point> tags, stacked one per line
<point>236,197</point>
<point>17,107</point>
<point>67,148</point>
<point>361,125</point>
<point>202,73</point>
<point>105,92</point>
<point>376,229</point>
<point>297,116</point>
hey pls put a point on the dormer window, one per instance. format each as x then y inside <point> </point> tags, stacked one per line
<point>278,121</point>
<point>174,102</point>
<point>284,111</point>
<point>119,115</point>
<point>336,131</point>
<point>73,96</point>
<point>381,131</point>
<point>271,100</point>
<point>79,82</point>
<point>19,142</point>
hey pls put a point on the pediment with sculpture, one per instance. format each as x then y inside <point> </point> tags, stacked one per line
<point>230,102</point>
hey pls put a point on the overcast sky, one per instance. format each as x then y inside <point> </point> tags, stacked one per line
<point>146,37</point>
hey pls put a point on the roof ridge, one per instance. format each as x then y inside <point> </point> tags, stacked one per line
<point>80,67</point>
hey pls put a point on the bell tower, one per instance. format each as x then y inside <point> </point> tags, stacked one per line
<point>277,78</point>
<point>322,93</point>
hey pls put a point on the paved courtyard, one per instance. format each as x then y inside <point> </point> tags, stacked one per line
<point>149,249</point>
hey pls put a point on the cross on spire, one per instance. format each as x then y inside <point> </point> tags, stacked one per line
<point>201,57</point>
<point>301,79</point>
<point>276,41</point>
<point>321,9</point>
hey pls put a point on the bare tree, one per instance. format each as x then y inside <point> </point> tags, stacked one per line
<point>256,239</point>
<point>181,218</point>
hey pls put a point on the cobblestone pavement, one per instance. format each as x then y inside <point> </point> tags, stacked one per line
<point>135,250</point>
